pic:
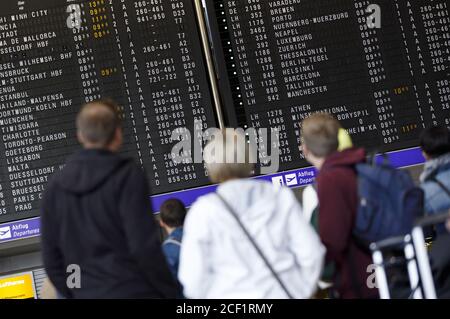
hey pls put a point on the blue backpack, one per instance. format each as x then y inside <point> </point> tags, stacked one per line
<point>389,203</point>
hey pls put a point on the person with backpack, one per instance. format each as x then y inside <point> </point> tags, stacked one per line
<point>311,209</point>
<point>435,179</point>
<point>248,240</point>
<point>337,192</point>
<point>172,214</point>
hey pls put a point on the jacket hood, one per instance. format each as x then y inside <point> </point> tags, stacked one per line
<point>435,166</point>
<point>348,157</point>
<point>256,200</point>
<point>87,170</point>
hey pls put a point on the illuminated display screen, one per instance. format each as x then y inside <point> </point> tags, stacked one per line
<point>56,55</point>
<point>279,61</point>
<point>276,62</point>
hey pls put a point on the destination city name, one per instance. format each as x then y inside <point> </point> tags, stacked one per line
<point>24,150</point>
<point>282,10</point>
<point>29,148</point>
<point>294,40</point>
<point>34,134</point>
<point>30,38</point>
<point>30,173</point>
<point>309,91</point>
<point>303,56</point>
<point>292,67</point>
<point>8,34</point>
<point>295,79</point>
<point>15,120</point>
<point>15,104</point>
<point>16,143</point>
<point>341,112</point>
<point>27,191</point>
<point>18,107</point>
<point>28,62</point>
<point>281,3</point>
<point>19,127</point>
<point>24,78</point>
<point>24,16</point>
<point>22,75</point>
<point>289,27</point>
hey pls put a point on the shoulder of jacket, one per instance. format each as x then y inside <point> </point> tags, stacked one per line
<point>202,207</point>
<point>445,175</point>
<point>129,163</point>
<point>203,202</point>
<point>330,176</point>
<point>129,168</point>
<point>284,193</point>
<point>430,188</point>
<point>427,185</point>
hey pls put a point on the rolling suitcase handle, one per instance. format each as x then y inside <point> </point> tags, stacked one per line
<point>413,271</point>
<point>378,260</point>
<point>380,273</point>
<point>404,242</point>
<point>422,254</point>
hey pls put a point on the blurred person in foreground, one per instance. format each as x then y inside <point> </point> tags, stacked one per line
<point>218,260</point>
<point>338,201</point>
<point>96,217</point>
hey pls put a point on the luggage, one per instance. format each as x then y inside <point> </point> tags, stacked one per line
<point>396,270</point>
<point>389,204</point>
<point>423,261</point>
<point>408,253</point>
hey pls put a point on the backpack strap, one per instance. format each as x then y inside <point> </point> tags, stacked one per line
<point>252,241</point>
<point>441,185</point>
<point>172,241</point>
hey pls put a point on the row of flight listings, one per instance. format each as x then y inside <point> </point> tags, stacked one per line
<point>383,70</point>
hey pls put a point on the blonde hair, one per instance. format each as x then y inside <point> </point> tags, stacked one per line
<point>228,156</point>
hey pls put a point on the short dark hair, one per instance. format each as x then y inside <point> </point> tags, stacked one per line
<point>98,121</point>
<point>173,212</point>
<point>435,141</point>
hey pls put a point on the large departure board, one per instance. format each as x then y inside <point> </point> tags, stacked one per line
<point>56,55</point>
<point>279,61</point>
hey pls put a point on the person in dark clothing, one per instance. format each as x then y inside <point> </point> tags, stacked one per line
<point>96,215</point>
<point>338,200</point>
<point>172,214</point>
<point>435,179</point>
<point>440,265</point>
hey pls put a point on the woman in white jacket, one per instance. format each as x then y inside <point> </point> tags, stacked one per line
<point>217,259</point>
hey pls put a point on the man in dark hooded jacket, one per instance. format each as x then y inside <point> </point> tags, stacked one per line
<point>338,201</point>
<point>96,218</point>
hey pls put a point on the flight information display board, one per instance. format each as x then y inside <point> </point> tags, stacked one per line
<point>56,55</point>
<point>279,61</point>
